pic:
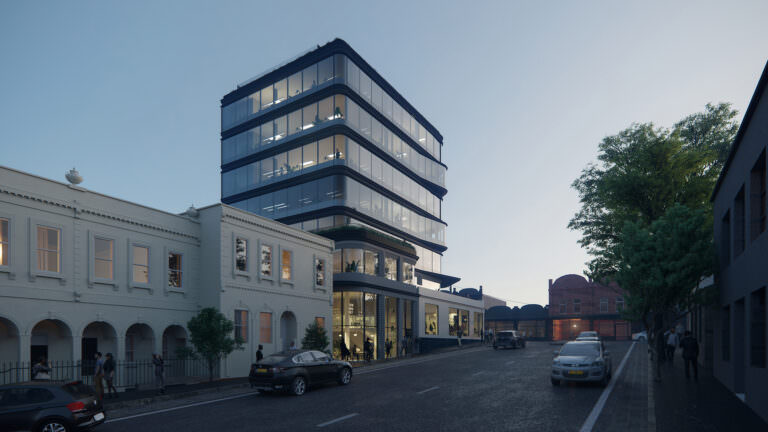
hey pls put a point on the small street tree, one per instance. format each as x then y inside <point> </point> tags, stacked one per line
<point>211,335</point>
<point>315,338</point>
<point>661,265</point>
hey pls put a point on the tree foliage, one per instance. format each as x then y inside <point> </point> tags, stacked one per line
<point>660,264</point>
<point>211,334</point>
<point>315,337</point>
<point>642,172</point>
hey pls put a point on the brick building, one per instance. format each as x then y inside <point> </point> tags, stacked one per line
<point>577,304</point>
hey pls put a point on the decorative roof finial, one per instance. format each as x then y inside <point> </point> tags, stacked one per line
<point>73,176</point>
<point>192,211</point>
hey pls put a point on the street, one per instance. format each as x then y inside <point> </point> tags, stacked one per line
<point>474,389</point>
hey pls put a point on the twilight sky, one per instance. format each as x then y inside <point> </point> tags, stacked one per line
<point>523,92</point>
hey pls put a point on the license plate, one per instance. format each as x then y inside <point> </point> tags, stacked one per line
<point>576,373</point>
<point>261,370</point>
<point>98,416</point>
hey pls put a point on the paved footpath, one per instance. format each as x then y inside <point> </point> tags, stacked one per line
<point>627,407</point>
<point>684,405</point>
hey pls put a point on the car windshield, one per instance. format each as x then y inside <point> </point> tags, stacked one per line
<point>588,334</point>
<point>587,349</point>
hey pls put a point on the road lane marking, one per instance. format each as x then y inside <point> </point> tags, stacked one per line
<point>598,408</point>
<point>429,389</point>
<point>477,373</point>
<point>348,416</point>
<point>509,362</point>
<point>179,407</point>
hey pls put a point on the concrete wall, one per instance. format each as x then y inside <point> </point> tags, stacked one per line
<point>58,309</point>
<point>300,298</point>
<point>746,272</point>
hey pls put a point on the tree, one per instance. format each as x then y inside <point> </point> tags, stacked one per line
<point>211,335</point>
<point>661,265</point>
<point>642,172</point>
<point>315,337</point>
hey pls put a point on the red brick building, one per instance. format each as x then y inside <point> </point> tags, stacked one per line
<point>577,304</point>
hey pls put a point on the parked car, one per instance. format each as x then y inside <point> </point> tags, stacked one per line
<point>42,406</point>
<point>294,371</point>
<point>588,334</point>
<point>582,361</point>
<point>641,336</point>
<point>509,339</point>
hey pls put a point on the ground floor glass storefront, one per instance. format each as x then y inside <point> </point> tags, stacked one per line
<point>355,322</point>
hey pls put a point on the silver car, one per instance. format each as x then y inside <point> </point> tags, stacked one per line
<point>581,361</point>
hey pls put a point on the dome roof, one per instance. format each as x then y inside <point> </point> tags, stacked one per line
<point>500,313</point>
<point>470,293</point>
<point>570,281</point>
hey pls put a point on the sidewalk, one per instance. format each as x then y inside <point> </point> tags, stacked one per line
<point>707,405</point>
<point>135,398</point>
<point>627,407</point>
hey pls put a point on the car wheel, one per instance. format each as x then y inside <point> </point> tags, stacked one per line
<point>495,347</point>
<point>52,425</point>
<point>345,376</point>
<point>298,386</point>
<point>555,382</point>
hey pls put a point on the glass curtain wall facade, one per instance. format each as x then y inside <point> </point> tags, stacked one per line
<point>324,141</point>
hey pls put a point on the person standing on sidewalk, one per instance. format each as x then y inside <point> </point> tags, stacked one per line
<point>259,354</point>
<point>690,354</point>
<point>672,342</point>
<point>109,376</point>
<point>98,376</point>
<point>157,360</point>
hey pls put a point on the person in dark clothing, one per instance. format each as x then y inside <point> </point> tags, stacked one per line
<point>344,350</point>
<point>259,354</point>
<point>109,376</point>
<point>157,360</point>
<point>388,348</point>
<point>367,350</point>
<point>690,354</point>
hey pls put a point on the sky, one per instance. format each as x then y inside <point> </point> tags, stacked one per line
<point>522,92</point>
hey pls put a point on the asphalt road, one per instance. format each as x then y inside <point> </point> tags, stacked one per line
<point>465,390</point>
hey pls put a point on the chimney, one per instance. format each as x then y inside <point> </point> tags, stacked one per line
<point>481,290</point>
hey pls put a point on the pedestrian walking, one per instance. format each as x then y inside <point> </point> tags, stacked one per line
<point>690,347</point>
<point>259,354</point>
<point>490,336</point>
<point>388,347</point>
<point>109,376</point>
<point>157,360</point>
<point>292,346</point>
<point>41,370</point>
<point>672,342</point>
<point>98,376</point>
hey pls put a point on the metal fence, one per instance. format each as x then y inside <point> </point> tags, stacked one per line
<point>128,374</point>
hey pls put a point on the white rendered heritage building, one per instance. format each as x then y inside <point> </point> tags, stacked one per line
<point>82,272</point>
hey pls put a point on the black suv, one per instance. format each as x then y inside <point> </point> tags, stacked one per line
<point>42,406</point>
<point>508,339</point>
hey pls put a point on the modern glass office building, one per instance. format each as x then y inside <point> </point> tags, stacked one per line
<point>323,142</point>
